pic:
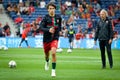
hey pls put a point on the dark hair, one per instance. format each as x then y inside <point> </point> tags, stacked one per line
<point>51,4</point>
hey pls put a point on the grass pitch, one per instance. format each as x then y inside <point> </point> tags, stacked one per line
<point>81,64</point>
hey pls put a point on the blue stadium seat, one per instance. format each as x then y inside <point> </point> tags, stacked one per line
<point>43,11</point>
<point>14,16</point>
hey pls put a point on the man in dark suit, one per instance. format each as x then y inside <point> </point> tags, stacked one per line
<point>104,33</point>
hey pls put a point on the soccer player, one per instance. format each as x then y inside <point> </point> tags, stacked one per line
<point>24,36</point>
<point>78,36</point>
<point>71,34</point>
<point>104,33</point>
<point>51,27</point>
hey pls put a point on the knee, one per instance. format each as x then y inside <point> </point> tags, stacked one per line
<point>53,50</point>
<point>53,53</point>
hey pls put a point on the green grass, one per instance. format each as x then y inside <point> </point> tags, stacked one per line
<point>81,64</point>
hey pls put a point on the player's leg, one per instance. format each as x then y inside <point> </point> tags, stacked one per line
<point>46,52</point>
<point>79,41</point>
<point>76,42</point>
<point>21,42</point>
<point>23,38</point>
<point>54,45</point>
<point>47,61</point>
<point>53,50</point>
<point>70,40</point>
<point>26,42</point>
<point>71,43</point>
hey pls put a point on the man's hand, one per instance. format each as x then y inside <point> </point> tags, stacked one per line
<point>52,30</point>
<point>110,41</point>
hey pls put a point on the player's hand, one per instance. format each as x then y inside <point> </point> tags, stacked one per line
<point>51,30</point>
<point>110,41</point>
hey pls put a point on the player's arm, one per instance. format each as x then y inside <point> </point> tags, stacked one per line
<point>60,29</point>
<point>43,25</point>
<point>59,23</point>
<point>111,32</point>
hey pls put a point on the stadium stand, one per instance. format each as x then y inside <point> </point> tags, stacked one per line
<point>83,17</point>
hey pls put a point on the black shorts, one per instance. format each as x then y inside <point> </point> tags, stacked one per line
<point>71,40</point>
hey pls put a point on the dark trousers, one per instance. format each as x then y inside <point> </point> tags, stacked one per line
<point>22,42</point>
<point>70,41</point>
<point>103,44</point>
